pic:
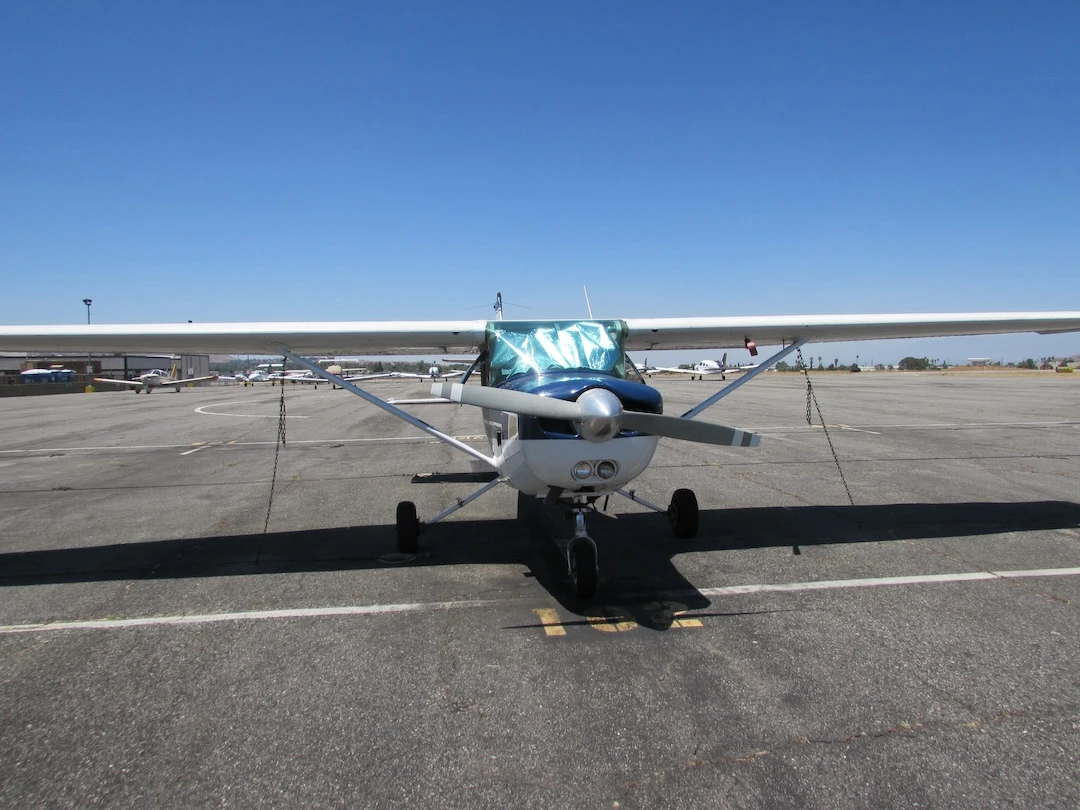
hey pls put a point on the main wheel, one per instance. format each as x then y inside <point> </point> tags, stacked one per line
<point>683,513</point>
<point>583,569</point>
<point>408,528</point>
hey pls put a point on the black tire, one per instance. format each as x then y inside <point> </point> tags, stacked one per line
<point>583,569</point>
<point>408,528</point>
<point>683,513</point>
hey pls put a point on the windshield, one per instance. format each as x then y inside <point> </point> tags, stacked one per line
<point>533,347</point>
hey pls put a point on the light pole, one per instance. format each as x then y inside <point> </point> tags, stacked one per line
<point>89,366</point>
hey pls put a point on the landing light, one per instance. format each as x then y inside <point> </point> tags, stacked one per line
<point>606,470</point>
<point>582,470</point>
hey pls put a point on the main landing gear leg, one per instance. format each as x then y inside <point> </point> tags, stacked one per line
<point>408,527</point>
<point>581,554</point>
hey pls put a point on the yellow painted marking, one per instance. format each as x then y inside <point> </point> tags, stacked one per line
<point>688,622</point>
<point>605,625</point>
<point>232,442</point>
<point>550,619</point>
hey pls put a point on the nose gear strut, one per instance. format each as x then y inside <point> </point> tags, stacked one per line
<point>581,552</point>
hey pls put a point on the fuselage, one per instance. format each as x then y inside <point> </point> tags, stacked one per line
<point>538,454</point>
<point>563,360</point>
<point>154,379</point>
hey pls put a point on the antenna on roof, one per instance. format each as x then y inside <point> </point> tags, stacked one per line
<point>588,306</point>
<point>499,306</point>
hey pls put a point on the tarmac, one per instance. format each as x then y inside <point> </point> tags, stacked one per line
<point>916,644</point>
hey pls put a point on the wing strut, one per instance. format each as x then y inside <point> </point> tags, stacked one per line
<point>314,368</point>
<point>728,389</point>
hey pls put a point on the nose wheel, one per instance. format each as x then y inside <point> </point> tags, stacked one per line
<point>581,556</point>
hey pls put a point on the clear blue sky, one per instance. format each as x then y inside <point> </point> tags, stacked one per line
<point>297,161</point>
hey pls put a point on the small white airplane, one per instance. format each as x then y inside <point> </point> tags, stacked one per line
<point>334,365</point>
<point>155,378</point>
<point>566,414</point>
<point>433,373</point>
<point>699,371</point>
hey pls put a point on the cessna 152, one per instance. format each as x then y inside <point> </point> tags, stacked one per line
<point>155,378</point>
<point>566,414</point>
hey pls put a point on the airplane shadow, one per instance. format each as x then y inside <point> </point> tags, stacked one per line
<point>638,579</point>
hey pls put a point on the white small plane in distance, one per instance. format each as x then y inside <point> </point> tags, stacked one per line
<point>566,414</point>
<point>433,373</point>
<point>155,378</point>
<point>700,370</point>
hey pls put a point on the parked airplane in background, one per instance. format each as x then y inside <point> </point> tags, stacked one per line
<point>334,365</point>
<point>567,417</point>
<point>700,370</point>
<point>156,378</point>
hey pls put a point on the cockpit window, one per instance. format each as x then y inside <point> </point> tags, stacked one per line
<point>534,347</point>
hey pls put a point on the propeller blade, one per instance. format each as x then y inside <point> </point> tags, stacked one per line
<point>689,430</point>
<point>671,427</point>
<point>512,401</point>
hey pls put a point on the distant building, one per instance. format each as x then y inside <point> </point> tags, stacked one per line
<point>113,366</point>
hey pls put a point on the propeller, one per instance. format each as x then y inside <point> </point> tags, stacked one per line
<point>597,415</point>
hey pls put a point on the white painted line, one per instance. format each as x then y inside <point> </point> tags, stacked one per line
<point>115,447</point>
<point>921,426</point>
<point>427,607</point>
<point>366,440</point>
<point>859,430</point>
<point>202,409</point>
<point>202,446</point>
<point>210,618</point>
<point>919,579</point>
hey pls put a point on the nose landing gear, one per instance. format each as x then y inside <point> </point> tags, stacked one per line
<point>581,554</point>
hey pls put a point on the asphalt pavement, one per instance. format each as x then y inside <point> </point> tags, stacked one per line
<point>883,613</point>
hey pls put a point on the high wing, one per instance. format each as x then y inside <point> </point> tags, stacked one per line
<point>308,338</point>
<point>397,337</point>
<point>772,330</point>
